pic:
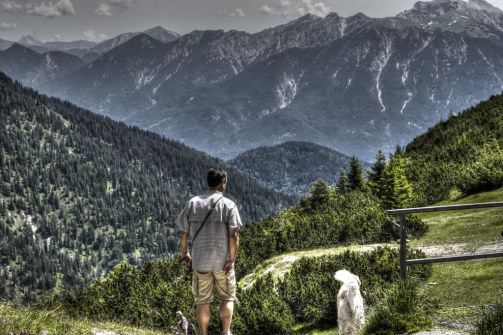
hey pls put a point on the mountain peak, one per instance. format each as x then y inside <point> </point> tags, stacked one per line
<point>29,40</point>
<point>307,17</point>
<point>472,16</point>
<point>143,40</point>
<point>161,34</point>
<point>17,47</point>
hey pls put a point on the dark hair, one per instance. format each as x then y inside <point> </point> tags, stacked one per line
<point>216,176</point>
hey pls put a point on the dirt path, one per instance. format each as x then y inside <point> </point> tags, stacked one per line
<point>441,331</point>
<point>460,248</point>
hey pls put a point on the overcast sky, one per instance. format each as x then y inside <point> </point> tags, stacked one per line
<point>96,20</point>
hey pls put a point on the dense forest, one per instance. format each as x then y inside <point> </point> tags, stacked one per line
<point>461,153</point>
<point>80,193</point>
<point>293,167</point>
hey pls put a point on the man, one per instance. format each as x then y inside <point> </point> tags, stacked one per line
<point>214,249</point>
<point>183,324</point>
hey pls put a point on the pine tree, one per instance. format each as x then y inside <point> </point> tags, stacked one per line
<point>342,184</point>
<point>320,192</point>
<point>397,190</point>
<point>356,181</point>
<point>375,175</point>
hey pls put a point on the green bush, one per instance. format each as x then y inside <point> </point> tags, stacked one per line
<point>402,308</point>
<point>145,297</point>
<point>484,173</point>
<point>308,293</point>
<point>311,290</point>
<point>262,311</point>
<point>322,220</point>
<point>490,322</point>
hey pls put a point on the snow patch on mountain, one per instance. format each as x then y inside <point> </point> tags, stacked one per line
<point>286,91</point>
<point>379,63</point>
<point>50,63</point>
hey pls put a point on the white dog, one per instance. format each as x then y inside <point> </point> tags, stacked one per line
<point>350,313</point>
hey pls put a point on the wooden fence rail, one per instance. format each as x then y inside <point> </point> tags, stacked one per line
<point>403,235</point>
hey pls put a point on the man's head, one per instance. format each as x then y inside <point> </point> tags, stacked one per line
<point>217,179</point>
<point>179,315</point>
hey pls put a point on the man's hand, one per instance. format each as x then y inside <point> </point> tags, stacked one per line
<point>184,241</point>
<point>185,257</point>
<point>229,265</point>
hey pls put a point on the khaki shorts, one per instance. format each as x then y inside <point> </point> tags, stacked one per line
<point>205,283</point>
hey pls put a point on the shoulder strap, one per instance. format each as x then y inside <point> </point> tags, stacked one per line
<point>206,218</point>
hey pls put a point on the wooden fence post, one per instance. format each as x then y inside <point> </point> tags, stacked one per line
<point>403,248</point>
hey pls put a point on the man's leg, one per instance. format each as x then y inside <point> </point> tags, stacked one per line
<point>226,309</point>
<point>202,288</point>
<point>203,313</point>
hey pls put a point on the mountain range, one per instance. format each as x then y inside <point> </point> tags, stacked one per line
<point>88,50</point>
<point>355,84</point>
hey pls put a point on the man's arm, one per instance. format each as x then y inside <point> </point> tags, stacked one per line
<point>182,222</point>
<point>233,249</point>
<point>184,242</point>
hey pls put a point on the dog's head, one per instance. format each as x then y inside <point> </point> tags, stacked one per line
<point>347,278</point>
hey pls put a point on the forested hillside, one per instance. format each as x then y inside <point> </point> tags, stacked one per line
<point>293,167</point>
<point>80,193</point>
<point>462,152</point>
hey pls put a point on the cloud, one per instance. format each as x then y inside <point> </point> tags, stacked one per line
<point>112,7</point>
<point>103,10</point>
<point>60,8</point>
<point>236,12</point>
<point>11,6</point>
<point>92,35</point>
<point>292,8</point>
<point>7,26</point>
<point>267,10</point>
<point>318,8</point>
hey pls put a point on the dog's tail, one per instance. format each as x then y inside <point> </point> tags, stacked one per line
<point>343,276</point>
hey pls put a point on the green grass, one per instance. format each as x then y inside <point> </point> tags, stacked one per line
<point>308,329</point>
<point>477,227</point>
<point>465,283</point>
<point>22,320</point>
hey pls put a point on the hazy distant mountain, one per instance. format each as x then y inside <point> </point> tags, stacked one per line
<point>90,51</point>
<point>31,42</point>
<point>293,167</point>
<point>32,68</point>
<point>353,84</point>
<point>158,33</point>
<point>4,44</point>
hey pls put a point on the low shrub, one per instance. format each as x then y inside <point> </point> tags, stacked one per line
<point>311,290</point>
<point>402,308</point>
<point>490,322</point>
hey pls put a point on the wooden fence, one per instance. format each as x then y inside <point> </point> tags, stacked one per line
<point>403,235</point>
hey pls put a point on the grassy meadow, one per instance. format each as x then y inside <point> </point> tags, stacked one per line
<point>465,283</point>
<point>23,320</point>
